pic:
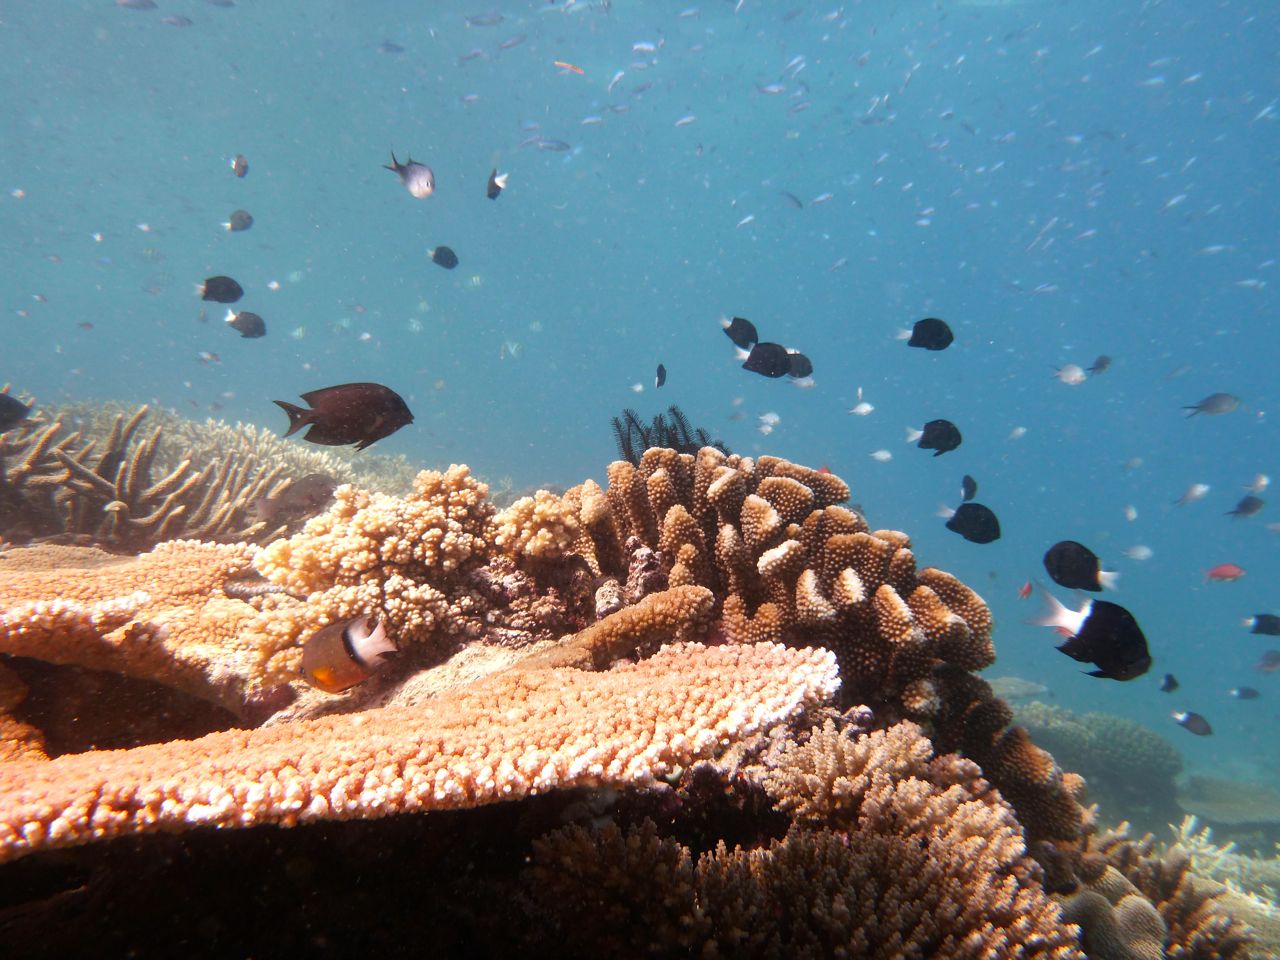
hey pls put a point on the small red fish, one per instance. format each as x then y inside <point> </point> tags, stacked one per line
<point>1024,591</point>
<point>824,469</point>
<point>1224,573</point>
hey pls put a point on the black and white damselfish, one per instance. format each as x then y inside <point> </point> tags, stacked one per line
<point>1102,633</point>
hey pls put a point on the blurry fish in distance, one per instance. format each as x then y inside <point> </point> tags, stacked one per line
<point>862,407</point>
<point>661,377</point>
<point>1193,493</point>
<point>239,220</point>
<point>1193,722</point>
<point>973,521</point>
<point>880,456</point>
<point>1244,693</point>
<point>1258,484</point>
<point>239,165</point>
<point>1102,633</point>
<point>1224,573</point>
<point>1248,506</point>
<point>176,20</point>
<point>928,334</point>
<point>741,331</point>
<point>1139,552</point>
<point>1076,567</point>
<point>220,290</point>
<point>1214,405</point>
<point>416,177</point>
<point>968,488</point>
<point>388,46</point>
<point>1101,365</point>
<point>358,413</point>
<point>497,183</point>
<point>1072,374</point>
<point>248,325</point>
<point>940,436</point>
<point>12,411</point>
<point>302,498</point>
<point>445,257</point>
<point>1266,624</point>
<point>1269,662</point>
<point>1169,683</point>
<point>136,4</point>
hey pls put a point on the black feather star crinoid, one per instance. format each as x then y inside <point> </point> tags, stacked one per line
<point>670,429</point>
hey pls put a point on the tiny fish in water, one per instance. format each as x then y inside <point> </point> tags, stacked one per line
<point>1101,365</point>
<point>220,290</point>
<point>940,436</point>
<point>239,165</point>
<point>445,257</point>
<point>12,412</point>
<point>416,177</point>
<point>1193,722</point>
<point>1139,552</point>
<point>968,488</point>
<point>1024,591</point>
<point>741,331</point>
<point>1214,404</point>
<point>248,325</point>
<point>929,334</point>
<point>862,407</point>
<point>1169,683</point>
<point>1075,566</point>
<point>1258,484</point>
<point>881,456</point>
<point>357,413</point>
<point>388,46</point>
<point>1269,662</point>
<point>497,183</point>
<point>136,4</point>
<point>239,220</point>
<point>1193,493</point>
<point>337,657</point>
<point>1102,633</point>
<point>661,377</point>
<point>176,20</point>
<point>301,498</point>
<point>1244,693</point>
<point>490,19</point>
<point>1224,573</point>
<point>973,521</point>
<point>1072,374</point>
<point>1248,506</point>
<point>1266,624</point>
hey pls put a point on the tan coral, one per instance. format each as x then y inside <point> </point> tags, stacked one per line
<point>542,527</point>
<point>501,738</point>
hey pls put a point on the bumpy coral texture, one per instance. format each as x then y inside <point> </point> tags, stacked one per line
<point>504,737</point>
<point>929,862</point>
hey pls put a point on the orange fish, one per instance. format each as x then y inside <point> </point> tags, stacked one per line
<point>569,66</point>
<point>1224,573</point>
<point>824,469</point>
<point>1024,591</point>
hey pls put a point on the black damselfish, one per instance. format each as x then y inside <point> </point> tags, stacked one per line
<point>741,331</point>
<point>661,377</point>
<point>1169,683</point>
<point>1102,633</point>
<point>940,436</point>
<point>975,522</point>
<point>445,257</point>
<point>221,290</point>
<point>1267,624</point>
<point>768,360</point>
<point>357,413</point>
<point>931,334</point>
<point>1076,567</point>
<point>968,488</point>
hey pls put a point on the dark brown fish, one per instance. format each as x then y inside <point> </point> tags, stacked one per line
<point>358,413</point>
<point>1101,365</point>
<point>931,334</point>
<point>1248,506</point>
<point>975,522</point>
<point>302,498</point>
<point>741,331</point>
<point>248,325</point>
<point>497,183</point>
<point>445,257</point>
<point>239,220</point>
<point>239,165</point>
<point>1269,662</point>
<point>1193,722</point>
<point>1214,405</point>
<point>221,290</point>
<point>12,411</point>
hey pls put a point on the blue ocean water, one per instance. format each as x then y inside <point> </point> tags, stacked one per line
<point>1057,180</point>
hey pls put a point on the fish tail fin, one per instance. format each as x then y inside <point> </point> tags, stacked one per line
<point>1053,613</point>
<point>913,434</point>
<point>1194,411</point>
<point>945,512</point>
<point>1109,579</point>
<point>298,417</point>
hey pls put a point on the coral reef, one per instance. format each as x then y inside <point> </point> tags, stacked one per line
<point>1129,769</point>
<point>1245,810</point>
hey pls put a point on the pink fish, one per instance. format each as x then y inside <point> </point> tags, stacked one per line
<point>1224,573</point>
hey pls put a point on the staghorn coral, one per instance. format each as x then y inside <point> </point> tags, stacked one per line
<point>1223,862</point>
<point>161,616</point>
<point>929,863</point>
<point>507,736</point>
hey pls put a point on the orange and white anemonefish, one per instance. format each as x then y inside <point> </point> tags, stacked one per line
<point>337,657</point>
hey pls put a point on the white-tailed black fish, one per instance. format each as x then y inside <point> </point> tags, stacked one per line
<point>239,165</point>
<point>1169,683</point>
<point>416,177</point>
<point>220,290</point>
<point>975,522</point>
<point>358,413</point>
<point>931,334</point>
<point>940,436</point>
<point>337,657</point>
<point>968,488</point>
<point>239,220</point>
<point>1244,693</point>
<point>1193,723</point>
<point>1248,506</point>
<point>661,377</point>
<point>445,257</point>
<point>800,366</point>
<point>1076,567</point>
<point>768,360</point>
<point>1214,404</point>
<point>1101,365</point>
<point>1102,633</point>
<point>248,325</point>
<point>741,331</point>
<point>1267,624</point>
<point>497,183</point>
<point>12,411</point>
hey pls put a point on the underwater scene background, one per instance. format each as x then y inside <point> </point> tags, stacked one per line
<point>1059,181</point>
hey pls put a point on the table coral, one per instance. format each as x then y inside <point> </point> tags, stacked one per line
<point>505,737</point>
